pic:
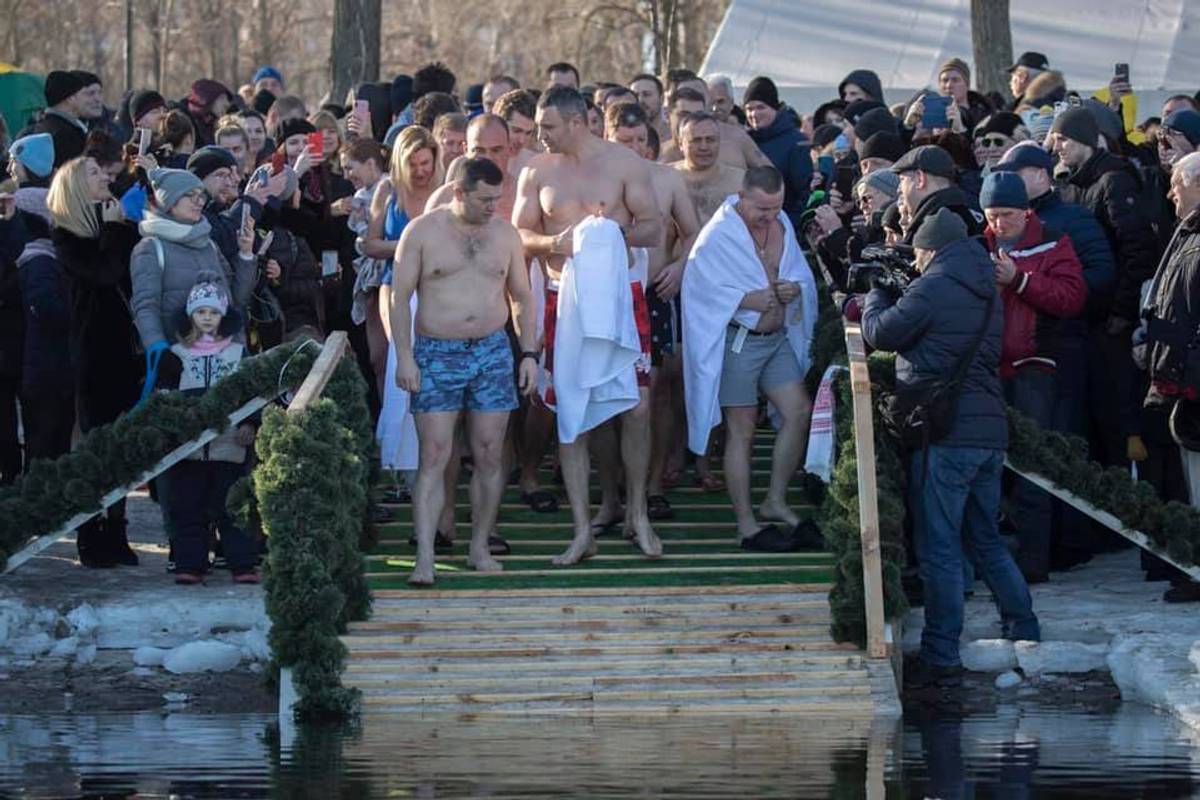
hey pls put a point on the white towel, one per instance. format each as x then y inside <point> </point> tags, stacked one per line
<point>721,268</point>
<point>396,432</point>
<point>596,339</point>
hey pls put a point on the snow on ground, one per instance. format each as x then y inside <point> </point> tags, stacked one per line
<point>1102,615</point>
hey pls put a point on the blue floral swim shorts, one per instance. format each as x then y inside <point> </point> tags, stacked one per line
<point>465,374</point>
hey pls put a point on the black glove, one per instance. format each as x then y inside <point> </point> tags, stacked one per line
<point>883,280</point>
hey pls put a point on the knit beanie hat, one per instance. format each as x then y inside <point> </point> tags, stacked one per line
<point>170,185</point>
<point>143,102</point>
<point>88,78</point>
<point>401,92</point>
<point>1108,121</point>
<point>855,111</point>
<point>473,98</point>
<point>295,127</point>
<point>61,84</point>
<point>877,120</point>
<point>35,153</point>
<point>207,293</point>
<point>763,90</point>
<point>885,145</point>
<point>943,228</point>
<point>1187,122</point>
<point>208,160</point>
<point>1003,190</point>
<point>882,180</point>
<point>267,71</point>
<point>1077,124</point>
<point>956,64</point>
<point>204,92</point>
<point>825,134</point>
<point>1039,122</point>
<point>1004,122</point>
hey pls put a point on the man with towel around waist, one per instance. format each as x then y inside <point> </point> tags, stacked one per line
<point>580,207</point>
<point>749,307</point>
<point>461,261</point>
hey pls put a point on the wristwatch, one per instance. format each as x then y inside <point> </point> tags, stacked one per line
<point>530,354</point>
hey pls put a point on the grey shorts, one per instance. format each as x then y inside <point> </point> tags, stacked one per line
<point>764,363</point>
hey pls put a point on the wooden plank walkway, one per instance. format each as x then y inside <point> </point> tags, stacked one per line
<point>709,628</point>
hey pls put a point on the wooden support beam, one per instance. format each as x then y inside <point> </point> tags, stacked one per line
<point>322,370</point>
<point>868,499</point>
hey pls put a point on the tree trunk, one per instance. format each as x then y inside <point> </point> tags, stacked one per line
<point>991,39</point>
<point>354,55</point>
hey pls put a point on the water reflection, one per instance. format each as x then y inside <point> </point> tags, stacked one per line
<point>1010,754</point>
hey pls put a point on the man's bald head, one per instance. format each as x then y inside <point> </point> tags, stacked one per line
<point>487,137</point>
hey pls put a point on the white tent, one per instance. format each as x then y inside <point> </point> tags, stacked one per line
<point>808,46</point>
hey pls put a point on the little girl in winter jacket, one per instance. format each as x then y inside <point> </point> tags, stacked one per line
<point>193,492</point>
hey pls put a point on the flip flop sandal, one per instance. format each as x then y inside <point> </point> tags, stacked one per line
<point>441,542</point>
<point>541,500</point>
<point>605,528</point>
<point>659,508</point>
<point>671,478</point>
<point>770,539</point>
<point>498,546</point>
<point>710,483</point>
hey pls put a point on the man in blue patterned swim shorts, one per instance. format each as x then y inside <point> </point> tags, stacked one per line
<point>467,268</point>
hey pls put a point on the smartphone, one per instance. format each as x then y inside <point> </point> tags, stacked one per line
<point>265,247</point>
<point>245,215</point>
<point>278,162</point>
<point>329,263</point>
<point>262,175</point>
<point>825,167</point>
<point>316,143</point>
<point>1121,72</point>
<point>362,109</point>
<point>845,182</point>
<point>143,141</point>
<point>935,112</point>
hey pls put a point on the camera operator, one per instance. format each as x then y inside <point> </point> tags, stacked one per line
<point>934,327</point>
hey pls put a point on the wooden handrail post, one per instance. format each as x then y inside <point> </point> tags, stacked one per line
<point>868,497</point>
<point>321,372</point>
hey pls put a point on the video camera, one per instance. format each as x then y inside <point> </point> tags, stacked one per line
<point>891,266</point>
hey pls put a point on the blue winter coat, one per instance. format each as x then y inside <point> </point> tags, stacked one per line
<point>45,296</point>
<point>933,323</point>
<point>784,144</point>
<point>1090,243</point>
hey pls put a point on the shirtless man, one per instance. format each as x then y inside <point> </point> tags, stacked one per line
<point>578,176</point>
<point>737,148</point>
<point>649,92</point>
<point>461,261</point>
<point>487,138</point>
<point>627,125</point>
<point>518,109</point>
<point>709,181</point>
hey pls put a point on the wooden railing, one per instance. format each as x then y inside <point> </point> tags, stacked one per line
<point>868,498</point>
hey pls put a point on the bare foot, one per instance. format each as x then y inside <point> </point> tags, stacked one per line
<point>605,519</point>
<point>483,561</point>
<point>422,574</point>
<point>578,551</point>
<point>773,512</point>
<point>643,535</point>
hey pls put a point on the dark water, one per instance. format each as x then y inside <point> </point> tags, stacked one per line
<point>1134,753</point>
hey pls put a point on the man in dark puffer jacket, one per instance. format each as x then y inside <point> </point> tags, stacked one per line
<point>927,185</point>
<point>954,485</point>
<point>776,131</point>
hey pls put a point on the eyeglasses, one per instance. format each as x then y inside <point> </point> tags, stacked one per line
<point>990,141</point>
<point>197,196</point>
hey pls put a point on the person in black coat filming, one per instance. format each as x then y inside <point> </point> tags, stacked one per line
<point>934,327</point>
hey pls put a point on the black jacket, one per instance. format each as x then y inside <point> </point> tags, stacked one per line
<point>69,138</point>
<point>1173,314</point>
<point>1109,186</point>
<point>952,198</point>
<point>44,294</point>
<point>784,144</point>
<point>933,323</point>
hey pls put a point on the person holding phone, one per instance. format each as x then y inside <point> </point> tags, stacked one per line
<point>93,243</point>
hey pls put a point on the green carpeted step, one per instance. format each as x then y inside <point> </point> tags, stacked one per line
<point>801,563</point>
<point>513,514</point>
<point>570,578</point>
<point>527,546</point>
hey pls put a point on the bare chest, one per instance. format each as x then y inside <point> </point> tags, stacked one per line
<point>569,195</point>
<point>471,257</point>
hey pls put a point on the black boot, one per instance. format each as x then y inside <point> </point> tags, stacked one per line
<point>117,543</point>
<point>89,542</point>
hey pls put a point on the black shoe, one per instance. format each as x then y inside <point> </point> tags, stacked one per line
<point>441,542</point>
<point>658,508</point>
<point>920,675</point>
<point>1182,592</point>
<point>89,543</point>
<point>808,535</point>
<point>770,539</point>
<point>117,542</point>
<point>498,545</point>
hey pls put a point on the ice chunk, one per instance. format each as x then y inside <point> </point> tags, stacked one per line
<point>1007,680</point>
<point>1036,658</point>
<point>85,654</point>
<point>65,648</point>
<point>988,655</point>
<point>83,619</point>
<point>208,655</point>
<point>149,656</point>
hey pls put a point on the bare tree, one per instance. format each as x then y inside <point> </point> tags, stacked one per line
<point>991,40</point>
<point>354,51</point>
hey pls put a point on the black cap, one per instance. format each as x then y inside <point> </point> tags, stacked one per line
<point>208,160</point>
<point>294,127</point>
<point>1031,60</point>
<point>61,84</point>
<point>927,158</point>
<point>885,145</point>
<point>763,90</point>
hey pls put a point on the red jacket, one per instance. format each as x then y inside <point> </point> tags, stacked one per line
<point>1048,287</point>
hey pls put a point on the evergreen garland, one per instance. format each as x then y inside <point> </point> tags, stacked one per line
<point>54,490</point>
<point>311,490</point>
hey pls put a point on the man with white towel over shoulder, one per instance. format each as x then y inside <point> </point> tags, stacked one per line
<point>580,206</point>
<point>749,308</point>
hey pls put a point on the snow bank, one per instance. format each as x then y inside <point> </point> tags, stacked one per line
<point>206,656</point>
<point>1102,616</point>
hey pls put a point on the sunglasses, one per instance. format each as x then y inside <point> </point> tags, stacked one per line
<point>989,141</point>
<point>1164,135</point>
